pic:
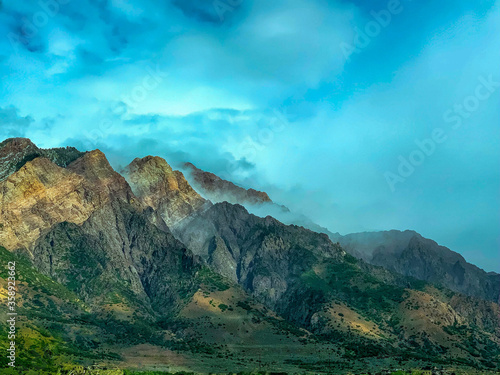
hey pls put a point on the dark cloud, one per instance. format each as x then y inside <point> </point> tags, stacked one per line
<point>12,124</point>
<point>203,10</point>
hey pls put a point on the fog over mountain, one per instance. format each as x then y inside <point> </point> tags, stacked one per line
<point>266,97</point>
<point>124,269</point>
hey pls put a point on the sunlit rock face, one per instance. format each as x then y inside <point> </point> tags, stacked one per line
<point>82,225</point>
<point>41,194</point>
<point>165,190</point>
<point>219,190</point>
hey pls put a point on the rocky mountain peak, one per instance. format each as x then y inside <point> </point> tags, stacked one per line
<point>16,152</point>
<point>38,193</point>
<point>93,165</point>
<point>160,187</point>
<point>218,190</point>
<point>152,162</point>
<point>19,143</point>
<point>37,196</point>
<point>13,152</point>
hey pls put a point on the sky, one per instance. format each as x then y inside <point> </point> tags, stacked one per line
<point>362,115</point>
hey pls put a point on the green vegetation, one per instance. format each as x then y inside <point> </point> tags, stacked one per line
<point>223,307</point>
<point>212,280</point>
<point>369,296</point>
<point>79,370</point>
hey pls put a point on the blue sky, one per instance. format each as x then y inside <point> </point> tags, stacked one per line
<point>265,94</point>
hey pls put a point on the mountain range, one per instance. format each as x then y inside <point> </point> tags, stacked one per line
<point>152,268</point>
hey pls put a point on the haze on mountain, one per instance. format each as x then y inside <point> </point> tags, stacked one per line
<point>265,96</point>
<point>120,269</point>
<point>407,252</point>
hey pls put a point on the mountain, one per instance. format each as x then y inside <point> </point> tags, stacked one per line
<point>102,275</point>
<point>306,278</point>
<point>62,218</point>
<point>218,190</point>
<point>404,252</point>
<point>143,272</point>
<point>15,152</point>
<point>410,254</point>
<point>163,189</point>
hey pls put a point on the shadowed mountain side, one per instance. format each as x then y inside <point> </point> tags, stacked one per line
<point>410,254</point>
<point>390,249</point>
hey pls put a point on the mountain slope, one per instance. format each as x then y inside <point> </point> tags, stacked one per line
<point>407,252</point>
<point>410,254</point>
<point>214,291</point>
<point>308,280</point>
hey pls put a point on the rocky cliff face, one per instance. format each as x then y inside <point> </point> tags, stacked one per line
<point>41,194</point>
<point>166,191</point>
<point>218,190</point>
<point>83,226</point>
<point>118,254</point>
<point>38,196</point>
<point>16,152</point>
<point>261,254</point>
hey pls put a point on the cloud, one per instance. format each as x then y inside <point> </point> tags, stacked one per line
<point>12,124</point>
<point>203,10</point>
<point>266,98</point>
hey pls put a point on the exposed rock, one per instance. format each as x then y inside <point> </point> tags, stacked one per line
<point>16,152</point>
<point>163,189</point>
<point>38,196</point>
<point>262,254</point>
<point>118,251</point>
<point>218,190</point>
